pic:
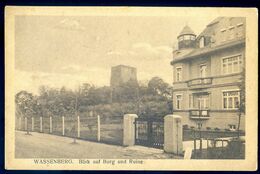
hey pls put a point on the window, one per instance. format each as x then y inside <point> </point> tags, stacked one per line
<point>178,74</point>
<point>192,37</point>
<point>203,70</point>
<point>181,38</point>
<point>232,64</point>
<point>232,127</point>
<point>200,101</point>
<point>202,42</point>
<point>231,99</point>
<point>178,101</point>
<point>186,37</point>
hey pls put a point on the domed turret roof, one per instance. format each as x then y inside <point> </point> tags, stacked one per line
<point>186,30</point>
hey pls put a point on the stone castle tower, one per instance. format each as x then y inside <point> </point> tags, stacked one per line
<point>121,74</point>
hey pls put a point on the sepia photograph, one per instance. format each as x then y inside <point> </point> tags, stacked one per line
<point>115,87</point>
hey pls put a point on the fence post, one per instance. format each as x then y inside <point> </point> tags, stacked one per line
<point>40,124</point>
<point>63,133</point>
<point>78,127</point>
<point>25,123</point>
<point>98,128</point>
<point>129,129</point>
<point>173,134</point>
<point>50,124</point>
<point>32,124</point>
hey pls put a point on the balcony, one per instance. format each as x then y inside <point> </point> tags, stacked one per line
<point>200,82</point>
<point>199,114</point>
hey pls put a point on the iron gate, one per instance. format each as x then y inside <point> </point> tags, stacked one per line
<point>149,132</point>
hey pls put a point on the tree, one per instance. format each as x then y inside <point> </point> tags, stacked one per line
<point>25,105</point>
<point>155,98</point>
<point>152,98</point>
<point>241,104</point>
<point>84,89</point>
<point>157,86</point>
<point>125,92</point>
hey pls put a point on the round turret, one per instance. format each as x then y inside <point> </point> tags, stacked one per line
<point>187,38</point>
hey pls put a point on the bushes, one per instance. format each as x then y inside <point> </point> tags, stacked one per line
<point>217,129</point>
<point>208,128</point>
<point>236,149</point>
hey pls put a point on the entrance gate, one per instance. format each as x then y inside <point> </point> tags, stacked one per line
<point>149,132</point>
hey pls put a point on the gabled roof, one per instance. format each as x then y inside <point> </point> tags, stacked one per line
<point>186,30</point>
<point>215,21</point>
<point>208,31</point>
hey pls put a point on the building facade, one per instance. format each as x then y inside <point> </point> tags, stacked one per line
<point>207,73</point>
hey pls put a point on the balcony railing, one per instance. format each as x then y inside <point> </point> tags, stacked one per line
<point>199,114</point>
<point>200,81</point>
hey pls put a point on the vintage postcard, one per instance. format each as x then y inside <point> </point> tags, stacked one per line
<point>131,88</point>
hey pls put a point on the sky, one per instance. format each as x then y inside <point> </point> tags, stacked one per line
<point>66,51</point>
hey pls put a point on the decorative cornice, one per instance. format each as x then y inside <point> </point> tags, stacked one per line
<point>208,87</point>
<point>213,77</point>
<point>210,50</point>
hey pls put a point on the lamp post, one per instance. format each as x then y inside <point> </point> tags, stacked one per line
<point>200,125</point>
<point>239,118</point>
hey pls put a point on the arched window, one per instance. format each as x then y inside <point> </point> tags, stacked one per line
<point>202,42</point>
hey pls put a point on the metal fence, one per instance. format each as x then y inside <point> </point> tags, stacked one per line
<point>219,145</point>
<point>220,149</point>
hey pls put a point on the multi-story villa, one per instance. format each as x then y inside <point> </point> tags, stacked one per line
<point>207,72</point>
